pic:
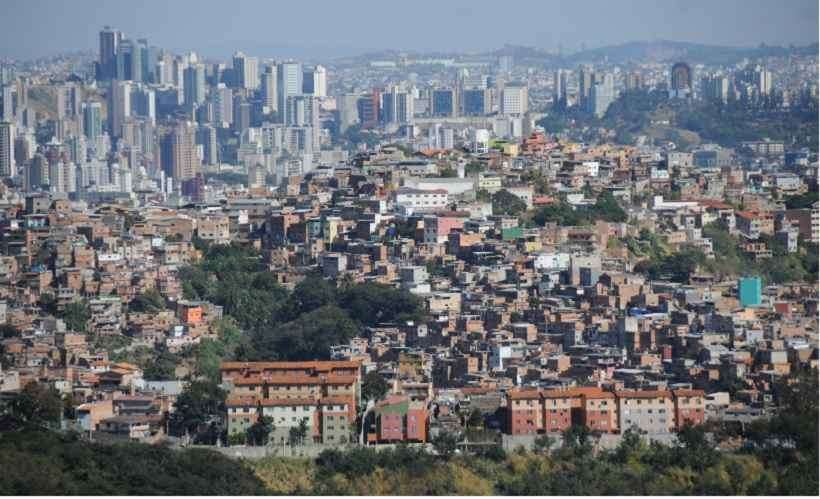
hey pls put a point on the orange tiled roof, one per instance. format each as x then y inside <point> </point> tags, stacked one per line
<point>296,380</point>
<point>644,394</point>
<point>312,364</point>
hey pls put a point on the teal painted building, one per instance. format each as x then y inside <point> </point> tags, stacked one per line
<point>749,291</point>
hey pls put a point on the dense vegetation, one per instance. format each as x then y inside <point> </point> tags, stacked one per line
<point>279,324</point>
<point>46,463</point>
<point>506,203</point>
<point>606,208</point>
<point>783,267</point>
<point>660,262</point>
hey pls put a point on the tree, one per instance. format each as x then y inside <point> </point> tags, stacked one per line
<point>259,432</point>
<point>374,386</point>
<point>543,444</point>
<point>445,444</point>
<point>237,438</point>
<point>475,419</point>
<point>606,208</point>
<point>151,301</point>
<point>76,316</point>
<point>198,404</point>
<point>373,303</point>
<point>309,337</point>
<point>506,203</point>
<point>448,172</point>
<point>297,434</point>
<point>8,331</point>
<point>37,404</point>
<point>695,449</point>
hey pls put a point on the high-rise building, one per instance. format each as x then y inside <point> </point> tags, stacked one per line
<point>206,137</point>
<point>714,87</point>
<point>222,98</point>
<point>36,175</point>
<point>119,106</point>
<point>476,101</point>
<point>8,166</point>
<point>194,83</point>
<point>178,152</point>
<point>269,85</point>
<point>347,108</point>
<point>109,44</point>
<point>320,81</point>
<point>69,99</point>
<point>397,106</point>
<point>131,59</point>
<point>602,95</point>
<point>680,80</point>
<point>303,110</point>
<point>288,83</point>
<point>633,80</point>
<point>314,81</point>
<point>586,78</point>
<point>143,102</point>
<point>514,100</point>
<point>559,93</point>
<point>246,70</point>
<point>241,114</point>
<point>443,102</point>
<point>92,120</point>
<point>368,108</point>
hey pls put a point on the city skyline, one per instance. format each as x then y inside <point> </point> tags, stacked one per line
<point>455,28</point>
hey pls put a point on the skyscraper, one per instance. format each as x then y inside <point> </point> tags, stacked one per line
<point>586,78</point>
<point>194,84</point>
<point>119,106</point>
<point>320,81</point>
<point>476,101</point>
<point>303,110</point>
<point>222,98</point>
<point>443,102</point>
<point>289,83</point>
<point>109,43</point>
<point>92,120</point>
<point>559,93</point>
<point>601,95</point>
<point>514,100</point>
<point>714,87</point>
<point>206,137</point>
<point>398,106</point>
<point>680,80</point>
<point>314,81</point>
<point>347,106</point>
<point>633,80</point>
<point>178,152</point>
<point>69,98</point>
<point>130,60</point>
<point>7,163</point>
<point>246,70</point>
<point>269,85</point>
<point>143,102</point>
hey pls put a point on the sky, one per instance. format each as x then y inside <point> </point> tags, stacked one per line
<point>299,28</point>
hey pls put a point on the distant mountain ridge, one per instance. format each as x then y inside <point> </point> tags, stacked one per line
<point>668,50</point>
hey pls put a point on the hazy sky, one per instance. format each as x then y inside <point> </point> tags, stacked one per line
<point>278,28</point>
